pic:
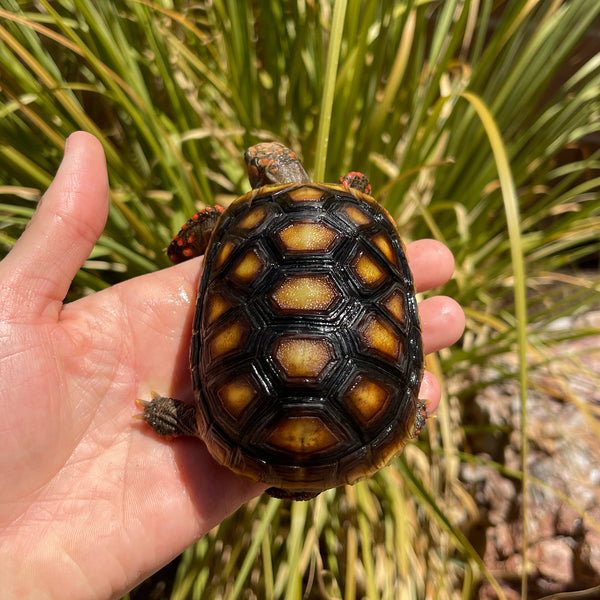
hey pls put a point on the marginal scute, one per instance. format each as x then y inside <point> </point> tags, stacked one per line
<point>388,452</point>
<point>367,397</point>
<point>215,306</point>
<point>305,193</point>
<point>224,253</point>
<point>248,267</point>
<point>379,336</point>
<point>387,215</point>
<point>394,304</point>
<point>236,395</point>
<point>227,339</point>
<point>368,270</point>
<point>383,243</point>
<point>302,357</point>
<point>306,237</point>
<point>357,216</point>
<point>378,459</point>
<point>309,293</point>
<point>253,218</point>
<point>302,435</point>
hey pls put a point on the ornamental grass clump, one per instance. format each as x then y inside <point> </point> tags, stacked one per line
<point>477,125</point>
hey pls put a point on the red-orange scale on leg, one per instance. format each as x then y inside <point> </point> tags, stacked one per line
<point>356,180</point>
<point>194,235</point>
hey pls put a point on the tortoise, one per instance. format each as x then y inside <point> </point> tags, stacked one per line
<point>306,353</point>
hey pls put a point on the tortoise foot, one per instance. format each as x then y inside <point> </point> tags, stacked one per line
<point>168,416</point>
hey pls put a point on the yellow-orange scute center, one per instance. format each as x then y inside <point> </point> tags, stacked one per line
<point>302,435</point>
<point>216,306</point>
<point>368,270</point>
<point>379,336</point>
<point>224,253</point>
<point>306,237</point>
<point>236,395</point>
<point>383,243</point>
<point>227,339</point>
<point>304,358</point>
<point>305,193</point>
<point>305,293</point>
<point>248,268</point>
<point>357,216</point>
<point>368,398</point>
<point>394,304</point>
<point>253,218</point>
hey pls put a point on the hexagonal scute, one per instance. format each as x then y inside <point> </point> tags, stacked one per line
<point>302,358</point>
<point>368,269</point>
<point>248,267</point>
<point>237,394</point>
<point>253,218</point>
<point>306,236</point>
<point>301,435</point>
<point>383,243</point>
<point>305,293</point>
<point>227,338</point>
<point>367,397</point>
<point>379,336</point>
<point>394,304</point>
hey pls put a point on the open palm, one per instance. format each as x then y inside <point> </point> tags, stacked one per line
<point>91,500</point>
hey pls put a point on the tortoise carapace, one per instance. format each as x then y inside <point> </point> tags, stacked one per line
<point>306,352</point>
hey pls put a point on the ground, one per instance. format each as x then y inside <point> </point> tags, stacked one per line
<point>564,464</point>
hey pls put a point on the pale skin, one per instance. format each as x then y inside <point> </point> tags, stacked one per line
<point>91,500</point>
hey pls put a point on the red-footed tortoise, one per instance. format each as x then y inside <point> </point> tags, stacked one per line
<point>306,351</point>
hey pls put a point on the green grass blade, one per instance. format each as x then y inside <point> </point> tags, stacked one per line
<point>258,539</point>
<point>513,221</point>
<point>333,56</point>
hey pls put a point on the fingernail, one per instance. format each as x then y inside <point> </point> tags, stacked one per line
<point>68,146</point>
<point>70,155</point>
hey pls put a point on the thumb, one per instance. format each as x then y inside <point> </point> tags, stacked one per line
<point>68,221</point>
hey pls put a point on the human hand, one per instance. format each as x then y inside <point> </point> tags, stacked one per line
<point>91,502</point>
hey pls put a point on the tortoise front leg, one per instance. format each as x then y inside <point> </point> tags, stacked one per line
<point>193,237</point>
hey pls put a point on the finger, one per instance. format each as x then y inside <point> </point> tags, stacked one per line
<point>431,263</point>
<point>67,222</point>
<point>430,392</point>
<point>442,322</point>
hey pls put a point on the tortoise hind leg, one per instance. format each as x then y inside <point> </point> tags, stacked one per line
<point>168,416</point>
<point>192,239</point>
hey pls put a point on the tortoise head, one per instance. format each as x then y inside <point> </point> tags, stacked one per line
<point>272,162</point>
